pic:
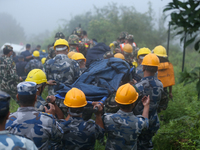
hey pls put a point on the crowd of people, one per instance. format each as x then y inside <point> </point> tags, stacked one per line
<point>128,122</point>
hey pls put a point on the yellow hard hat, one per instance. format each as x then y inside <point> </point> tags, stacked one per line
<point>75,98</point>
<point>43,60</point>
<point>37,76</point>
<point>119,55</point>
<point>111,45</point>
<point>160,51</point>
<point>61,42</point>
<point>151,60</point>
<point>78,56</point>
<point>44,51</point>
<point>128,48</point>
<point>134,63</point>
<point>143,51</point>
<point>126,94</point>
<point>70,54</point>
<point>36,54</point>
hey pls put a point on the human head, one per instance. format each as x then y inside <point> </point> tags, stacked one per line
<point>160,51</point>
<point>4,107</point>
<point>59,35</point>
<point>27,93</point>
<point>126,96</point>
<point>73,40</point>
<point>75,100</point>
<point>150,63</point>
<point>39,77</point>
<point>8,50</point>
<point>119,55</point>
<point>70,54</point>
<point>36,54</point>
<point>129,38</point>
<point>61,46</point>
<point>28,46</point>
<point>38,47</point>
<point>84,33</point>
<point>122,36</point>
<point>127,50</point>
<point>20,58</point>
<point>141,53</point>
<point>78,31</point>
<point>80,59</point>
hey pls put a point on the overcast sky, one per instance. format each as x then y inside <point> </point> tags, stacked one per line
<point>36,16</point>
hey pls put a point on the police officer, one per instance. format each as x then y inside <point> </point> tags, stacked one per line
<point>61,68</point>
<point>73,43</point>
<point>41,128</point>
<point>51,51</point>
<point>140,56</point>
<point>149,85</point>
<point>20,67</point>
<point>27,55</point>
<point>124,127</point>
<point>7,140</point>
<point>81,61</point>
<point>35,63</point>
<point>8,75</point>
<point>39,77</point>
<point>80,134</point>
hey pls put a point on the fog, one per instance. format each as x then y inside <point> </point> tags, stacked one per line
<point>37,16</point>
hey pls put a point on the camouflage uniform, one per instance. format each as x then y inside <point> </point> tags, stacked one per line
<point>139,71</point>
<point>51,53</point>
<point>8,76</point>
<point>73,39</point>
<point>10,141</point>
<point>33,64</point>
<point>40,103</point>
<point>110,105</point>
<point>153,87</point>
<point>123,129</point>
<point>80,134</point>
<point>62,70</point>
<point>42,128</point>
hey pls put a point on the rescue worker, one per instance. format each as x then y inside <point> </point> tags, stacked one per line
<point>80,134</point>
<point>51,52</point>
<point>124,127</point>
<point>39,77</point>
<point>127,51</point>
<point>119,55</point>
<point>81,61</point>
<point>149,85</point>
<point>129,39</point>
<point>78,31</point>
<point>85,42</point>
<point>20,67</point>
<point>35,63</point>
<point>27,55</point>
<point>73,43</point>
<point>61,68</point>
<point>8,75</point>
<point>41,128</point>
<point>140,55</point>
<point>165,75</point>
<point>70,54</point>
<point>10,141</point>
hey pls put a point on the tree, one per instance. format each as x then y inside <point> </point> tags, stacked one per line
<point>185,17</point>
<point>10,30</point>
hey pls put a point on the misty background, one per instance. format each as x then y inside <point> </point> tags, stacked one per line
<point>37,21</point>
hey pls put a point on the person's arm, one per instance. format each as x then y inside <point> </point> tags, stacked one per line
<point>28,57</point>
<point>146,102</point>
<point>170,92</point>
<point>98,119</point>
<point>51,99</point>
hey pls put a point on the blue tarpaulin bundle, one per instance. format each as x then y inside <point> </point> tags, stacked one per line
<point>102,78</point>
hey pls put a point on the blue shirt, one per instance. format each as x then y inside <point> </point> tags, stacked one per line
<point>25,54</point>
<point>20,66</point>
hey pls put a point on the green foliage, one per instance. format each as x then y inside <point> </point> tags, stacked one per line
<point>186,16</point>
